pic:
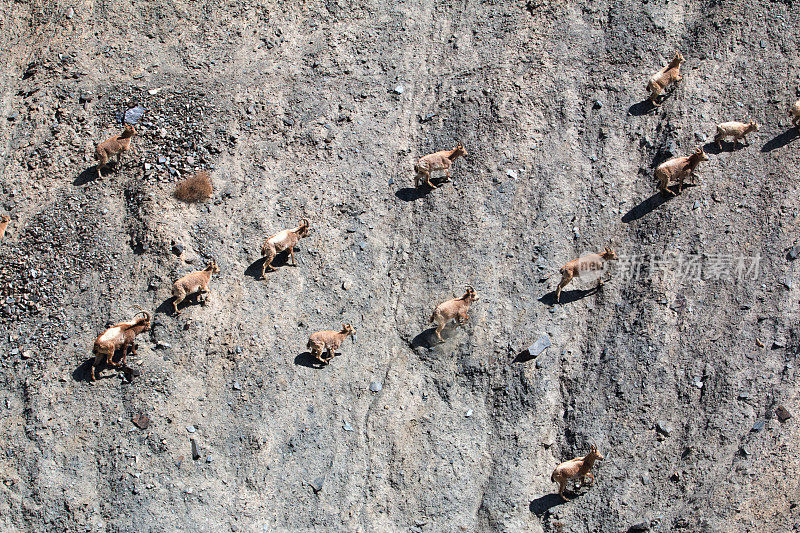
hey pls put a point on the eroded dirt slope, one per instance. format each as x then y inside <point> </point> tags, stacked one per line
<point>319,110</point>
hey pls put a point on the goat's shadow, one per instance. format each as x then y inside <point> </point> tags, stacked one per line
<point>167,308</point>
<point>781,140</point>
<point>652,203</point>
<point>88,175</point>
<point>411,194</point>
<point>645,107</point>
<point>83,372</point>
<point>543,504</point>
<point>309,361</point>
<point>280,260</point>
<point>567,297</point>
<point>727,146</point>
<point>428,338</point>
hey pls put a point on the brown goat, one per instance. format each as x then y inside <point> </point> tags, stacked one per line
<point>794,112</point>
<point>659,81</point>
<point>456,308</point>
<point>118,337</point>
<point>194,282</point>
<point>735,129</point>
<point>286,239</point>
<point>581,267</point>
<point>4,220</point>
<point>115,145</point>
<point>580,467</point>
<point>329,342</point>
<point>437,161</point>
<point>677,169</point>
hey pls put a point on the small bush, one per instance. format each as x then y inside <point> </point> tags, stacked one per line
<point>195,188</point>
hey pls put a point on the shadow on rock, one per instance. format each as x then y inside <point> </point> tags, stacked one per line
<point>428,338</point>
<point>567,297</point>
<point>732,146</point>
<point>652,203</point>
<point>166,307</point>
<point>644,107</point>
<point>541,505</point>
<point>410,194</point>
<point>781,140</point>
<point>83,373</point>
<point>280,260</point>
<point>90,174</point>
<point>309,361</point>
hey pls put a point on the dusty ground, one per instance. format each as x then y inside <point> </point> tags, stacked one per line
<point>319,110</point>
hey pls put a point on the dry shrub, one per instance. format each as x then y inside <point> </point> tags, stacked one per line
<point>195,188</point>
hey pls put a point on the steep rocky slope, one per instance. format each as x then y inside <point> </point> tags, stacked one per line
<point>319,109</point>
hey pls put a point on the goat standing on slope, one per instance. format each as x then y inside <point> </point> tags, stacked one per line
<point>794,112</point>
<point>678,169</point>
<point>580,467</point>
<point>588,265</point>
<point>659,81</point>
<point>735,129</point>
<point>115,145</point>
<point>194,282</point>
<point>437,161</point>
<point>329,342</point>
<point>453,309</point>
<point>284,240</point>
<point>118,337</point>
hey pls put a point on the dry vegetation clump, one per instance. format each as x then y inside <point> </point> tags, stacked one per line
<point>195,188</point>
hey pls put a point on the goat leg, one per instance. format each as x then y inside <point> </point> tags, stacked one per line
<point>291,254</point>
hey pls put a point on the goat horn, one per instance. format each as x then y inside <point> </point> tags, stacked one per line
<point>304,222</point>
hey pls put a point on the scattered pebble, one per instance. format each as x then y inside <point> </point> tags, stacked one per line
<point>664,428</point>
<point>191,429</point>
<point>375,386</point>
<point>141,421</point>
<point>783,413</point>
<point>317,484</point>
<point>468,413</point>
<point>758,426</point>
<point>347,426</point>
<point>541,344</point>
<point>237,385</point>
<point>399,89</point>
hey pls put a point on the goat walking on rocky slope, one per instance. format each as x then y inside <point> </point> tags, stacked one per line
<point>453,309</point>
<point>437,161</point>
<point>794,112</point>
<point>735,129</point>
<point>194,282</point>
<point>659,81</point>
<point>115,145</point>
<point>119,336</point>
<point>284,240</point>
<point>580,467</point>
<point>591,264</point>
<point>678,169</point>
<point>4,220</point>
<point>329,342</point>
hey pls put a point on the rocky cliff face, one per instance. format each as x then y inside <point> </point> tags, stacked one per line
<point>319,110</point>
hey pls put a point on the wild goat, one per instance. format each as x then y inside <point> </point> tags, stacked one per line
<point>583,266</point>
<point>580,467</point>
<point>286,239</point>
<point>328,341</point>
<point>794,112</point>
<point>194,282</point>
<point>4,220</point>
<point>438,161</point>
<point>659,81</point>
<point>119,336</point>
<point>737,130</point>
<point>677,169</point>
<point>113,146</point>
<point>456,308</point>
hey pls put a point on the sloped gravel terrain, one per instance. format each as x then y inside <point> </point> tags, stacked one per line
<point>675,368</point>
